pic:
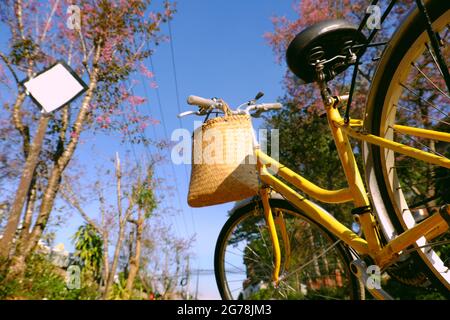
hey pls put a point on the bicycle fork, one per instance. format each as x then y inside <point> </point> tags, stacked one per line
<point>272,223</point>
<point>265,193</point>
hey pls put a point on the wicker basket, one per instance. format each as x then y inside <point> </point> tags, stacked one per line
<point>223,165</point>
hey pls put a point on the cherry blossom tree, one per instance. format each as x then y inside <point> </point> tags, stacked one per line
<point>106,48</point>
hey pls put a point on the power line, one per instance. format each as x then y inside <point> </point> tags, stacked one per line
<point>148,152</point>
<point>158,98</point>
<point>177,94</point>
<point>177,229</point>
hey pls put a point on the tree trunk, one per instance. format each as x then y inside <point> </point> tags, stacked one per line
<point>135,260</point>
<point>6,243</point>
<point>26,222</point>
<point>130,241</point>
<point>16,268</point>
<point>115,262</point>
<point>19,125</point>
<point>105,235</point>
<point>105,257</point>
<point>17,264</point>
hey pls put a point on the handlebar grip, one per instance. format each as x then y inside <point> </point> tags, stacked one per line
<point>199,101</point>
<point>273,106</point>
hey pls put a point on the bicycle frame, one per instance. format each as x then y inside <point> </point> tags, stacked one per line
<point>371,244</point>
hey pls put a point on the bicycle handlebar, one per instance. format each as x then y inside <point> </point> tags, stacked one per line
<point>199,101</point>
<point>270,106</point>
<point>209,105</point>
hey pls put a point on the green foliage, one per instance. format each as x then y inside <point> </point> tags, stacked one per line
<point>143,193</point>
<point>119,287</point>
<point>404,292</point>
<point>23,49</point>
<point>43,280</point>
<point>89,249</point>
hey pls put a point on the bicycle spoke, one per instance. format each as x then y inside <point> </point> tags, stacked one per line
<point>237,268</point>
<point>265,244</point>
<point>425,180</point>
<point>418,142</point>
<point>236,254</point>
<point>432,244</point>
<point>416,205</point>
<point>239,280</point>
<point>234,290</point>
<point>328,297</point>
<point>422,115</point>
<point>429,80</point>
<point>422,99</point>
<point>259,261</point>
<point>311,261</point>
<point>434,59</point>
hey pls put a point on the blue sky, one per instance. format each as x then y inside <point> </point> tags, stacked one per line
<point>219,51</point>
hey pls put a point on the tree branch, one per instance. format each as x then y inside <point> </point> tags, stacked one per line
<point>133,221</point>
<point>49,20</point>
<point>9,66</point>
<point>118,187</point>
<point>18,13</point>
<point>68,194</point>
<point>18,124</point>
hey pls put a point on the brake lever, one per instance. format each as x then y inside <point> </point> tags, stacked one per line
<point>186,113</point>
<point>257,113</point>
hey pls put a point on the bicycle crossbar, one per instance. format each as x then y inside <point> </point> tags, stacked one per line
<point>399,147</point>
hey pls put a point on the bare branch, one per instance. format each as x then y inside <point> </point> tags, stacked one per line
<point>9,66</point>
<point>118,184</point>
<point>68,195</point>
<point>49,20</point>
<point>85,53</point>
<point>18,13</point>
<point>133,221</point>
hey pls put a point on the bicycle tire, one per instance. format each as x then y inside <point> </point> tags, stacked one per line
<point>392,217</point>
<point>248,210</point>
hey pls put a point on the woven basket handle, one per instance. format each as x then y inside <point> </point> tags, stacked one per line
<point>226,109</point>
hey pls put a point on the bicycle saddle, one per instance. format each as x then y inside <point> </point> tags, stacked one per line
<point>321,42</point>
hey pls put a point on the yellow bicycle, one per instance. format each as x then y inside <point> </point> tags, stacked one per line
<point>282,245</point>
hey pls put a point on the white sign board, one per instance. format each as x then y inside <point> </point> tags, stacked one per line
<point>54,87</point>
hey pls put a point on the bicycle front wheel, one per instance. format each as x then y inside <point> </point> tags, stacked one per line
<point>314,264</point>
<point>408,89</point>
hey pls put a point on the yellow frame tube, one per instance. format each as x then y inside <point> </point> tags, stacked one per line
<point>395,146</point>
<point>418,132</point>
<point>355,182</point>
<point>356,122</point>
<point>433,226</point>
<point>315,213</point>
<point>264,192</point>
<point>279,221</point>
<point>318,193</point>
<point>409,237</point>
<point>424,133</point>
